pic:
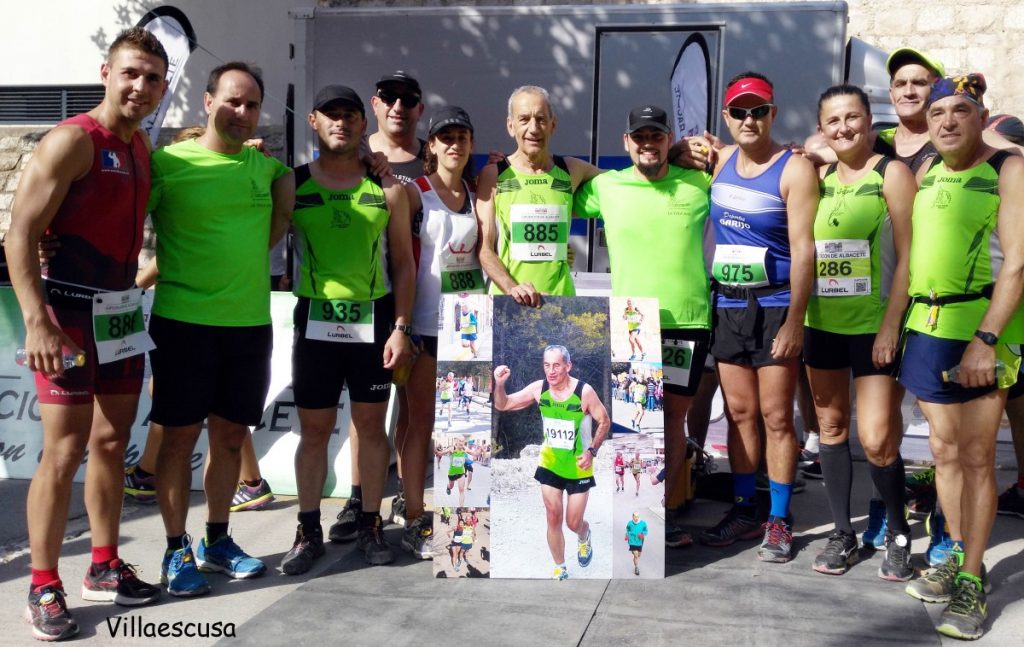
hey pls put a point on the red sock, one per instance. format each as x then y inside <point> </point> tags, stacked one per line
<point>45,576</point>
<point>104,554</point>
<point>1020,482</point>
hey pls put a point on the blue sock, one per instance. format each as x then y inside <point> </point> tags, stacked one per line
<point>781,493</point>
<point>744,488</point>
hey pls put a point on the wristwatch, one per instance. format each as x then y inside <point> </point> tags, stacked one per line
<point>407,329</point>
<point>987,337</point>
<point>593,451</point>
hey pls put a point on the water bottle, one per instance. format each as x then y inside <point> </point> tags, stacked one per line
<point>71,360</point>
<point>953,374</point>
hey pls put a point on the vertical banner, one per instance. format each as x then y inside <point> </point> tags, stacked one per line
<point>690,80</point>
<point>175,33</point>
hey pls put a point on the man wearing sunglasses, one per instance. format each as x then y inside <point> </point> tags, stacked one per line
<point>398,107</point>
<point>654,216</point>
<point>763,202</point>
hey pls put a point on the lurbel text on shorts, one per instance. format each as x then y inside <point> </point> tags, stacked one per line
<point>732,222</point>
<point>70,294</point>
<point>340,335</point>
<point>61,393</point>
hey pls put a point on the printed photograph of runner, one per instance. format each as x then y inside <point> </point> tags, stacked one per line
<point>638,402</point>
<point>638,511</point>
<point>462,469</point>
<point>465,331</point>
<point>551,492</point>
<point>635,329</point>
<point>463,397</point>
<point>462,541</point>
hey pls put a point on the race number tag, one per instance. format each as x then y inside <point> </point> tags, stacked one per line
<point>540,232</point>
<point>559,434</point>
<point>676,360</point>
<point>741,265</point>
<point>458,461</point>
<point>471,281</point>
<point>118,325</point>
<point>842,268</point>
<point>338,320</point>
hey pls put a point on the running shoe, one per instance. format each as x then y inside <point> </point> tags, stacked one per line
<point>777,545</point>
<point>585,550</point>
<point>806,458</point>
<point>224,556</point>
<point>418,536</point>
<point>812,470</point>
<point>966,612</point>
<point>839,555</point>
<point>141,488</point>
<point>179,573</point>
<point>304,551</point>
<point>676,537</point>
<point>397,515</point>
<point>252,497</point>
<point>940,544</point>
<point>375,547</point>
<point>345,528</point>
<point>938,585</point>
<point>632,358</point>
<point>896,564</point>
<point>49,615</point>
<point>920,493</point>
<point>740,523</point>
<point>561,573</point>
<point>1011,502</point>
<point>636,570</point>
<point>873,536</point>
<point>119,584</point>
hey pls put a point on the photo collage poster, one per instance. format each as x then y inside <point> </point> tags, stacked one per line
<point>491,511</point>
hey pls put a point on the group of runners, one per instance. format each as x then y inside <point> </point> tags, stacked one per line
<point>451,390</point>
<point>797,269</point>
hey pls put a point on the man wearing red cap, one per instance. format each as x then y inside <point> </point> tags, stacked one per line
<point>966,277</point>
<point>763,202</point>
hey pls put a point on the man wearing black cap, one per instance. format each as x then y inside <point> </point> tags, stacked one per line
<point>355,290</point>
<point>964,315</point>
<point>398,106</point>
<point>654,218</point>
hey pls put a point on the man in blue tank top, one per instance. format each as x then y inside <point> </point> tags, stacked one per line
<point>763,202</point>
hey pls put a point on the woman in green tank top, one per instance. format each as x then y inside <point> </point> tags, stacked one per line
<point>852,325</point>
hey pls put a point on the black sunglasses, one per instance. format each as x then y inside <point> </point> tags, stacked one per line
<point>757,112</point>
<point>408,100</point>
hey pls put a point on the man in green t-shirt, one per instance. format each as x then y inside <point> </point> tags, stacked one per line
<point>524,203</point>
<point>569,408</point>
<point>964,314</point>
<point>217,207</point>
<point>654,216</point>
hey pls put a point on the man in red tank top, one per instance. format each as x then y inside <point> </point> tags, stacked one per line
<point>87,184</point>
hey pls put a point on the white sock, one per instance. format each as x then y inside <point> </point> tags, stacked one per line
<point>812,444</point>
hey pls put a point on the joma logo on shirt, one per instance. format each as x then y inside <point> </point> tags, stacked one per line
<point>536,181</point>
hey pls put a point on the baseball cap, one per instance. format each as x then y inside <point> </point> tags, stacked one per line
<point>400,77</point>
<point>749,85</point>
<point>647,116</point>
<point>340,93</point>
<point>905,55</point>
<point>969,86</point>
<point>1009,127</point>
<point>449,116</point>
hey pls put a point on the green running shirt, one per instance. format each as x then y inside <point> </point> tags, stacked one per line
<point>567,433</point>
<point>955,249</point>
<point>341,239</point>
<point>655,233</point>
<point>211,213</point>
<point>532,212</point>
<point>846,296</point>
<point>457,465</point>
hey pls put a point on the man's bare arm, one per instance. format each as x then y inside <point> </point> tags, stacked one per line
<point>282,192</point>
